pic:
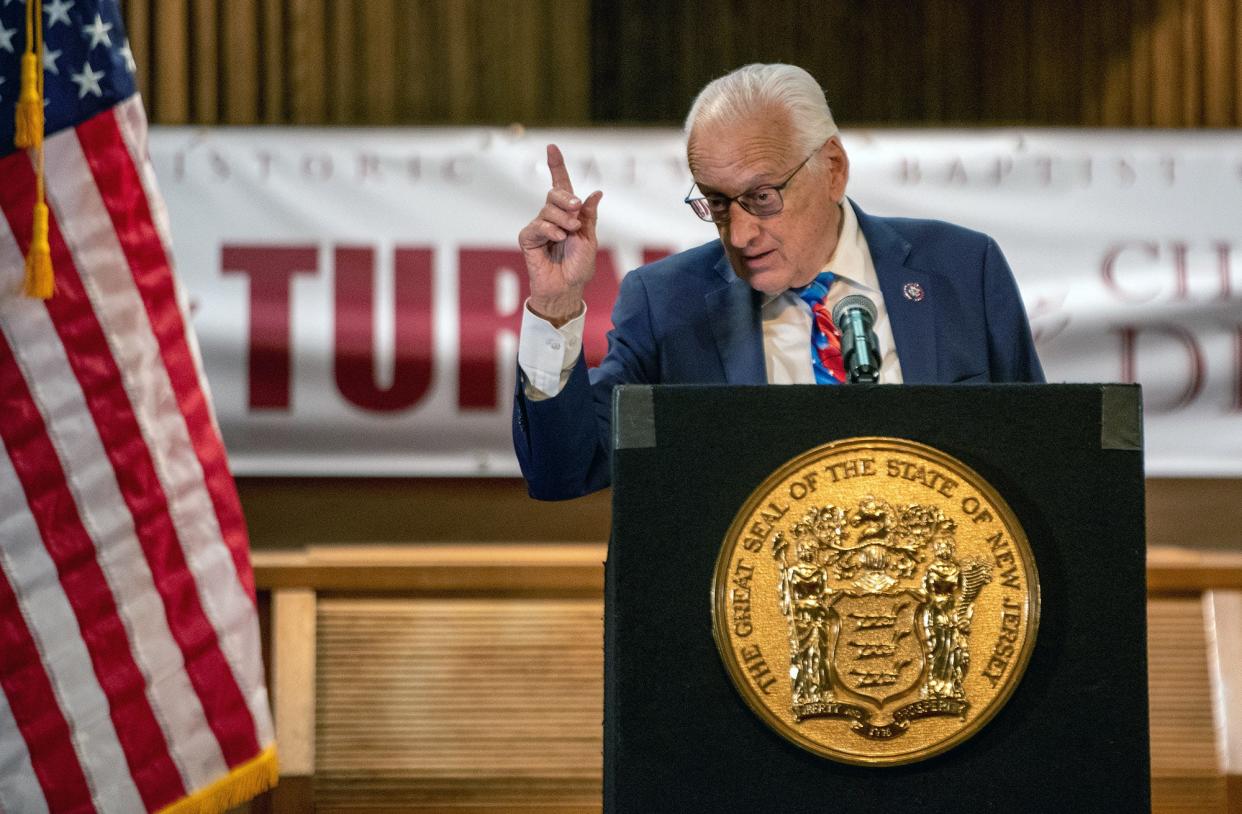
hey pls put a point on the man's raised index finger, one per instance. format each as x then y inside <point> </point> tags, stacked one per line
<point>556,166</point>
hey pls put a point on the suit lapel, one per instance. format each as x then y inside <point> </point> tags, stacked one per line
<point>733,310</point>
<point>734,317</point>
<point>912,318</point>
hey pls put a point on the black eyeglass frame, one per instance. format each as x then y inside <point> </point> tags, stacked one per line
<point>701,207</point>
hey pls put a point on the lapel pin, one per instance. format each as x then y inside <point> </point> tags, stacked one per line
<point>913,292</point>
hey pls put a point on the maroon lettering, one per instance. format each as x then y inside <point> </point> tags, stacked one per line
<point>482,323</point>
<point>265,159</point>
<point>1181,269</point>
<point>589,170</point>
<point>457,169</point>
<point>354,354</point>
<point>1001,168</point>
<point>1126,174</point>
<point>1237,368</point>
<point>654,253</point>
<point>219,165</point>
<point>368,166</point>
<point>909,172</point>
<point>1108,269</point>
<point>1043,167</point>
<point>1168,163</point>
<point>1194,371</point>
<point>1224,269</point>
<point>600,295</point>
<point>270,268</point>
<point>957,172</point>
<point>317,167</point>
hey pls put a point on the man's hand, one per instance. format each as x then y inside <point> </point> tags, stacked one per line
<point>559,246</point>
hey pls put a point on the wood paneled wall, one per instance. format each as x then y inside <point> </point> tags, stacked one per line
<point>1164,63</point>
<point>284,513</point>
<point>468,678</point>
<point>1167,63</point>
<point>370,62</point>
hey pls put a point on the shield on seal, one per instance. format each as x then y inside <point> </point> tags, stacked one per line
<point>877,654</point>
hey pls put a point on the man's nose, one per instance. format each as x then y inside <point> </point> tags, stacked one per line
<point>743,226</point>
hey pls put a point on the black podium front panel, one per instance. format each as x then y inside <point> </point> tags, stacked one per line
<point>1066,458</point>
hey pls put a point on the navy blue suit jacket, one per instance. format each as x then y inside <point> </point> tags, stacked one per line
<point>688,319</point>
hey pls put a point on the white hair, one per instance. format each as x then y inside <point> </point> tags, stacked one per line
<point>756,88</point>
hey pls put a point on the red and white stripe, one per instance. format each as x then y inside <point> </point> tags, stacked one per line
<point>126,591</point>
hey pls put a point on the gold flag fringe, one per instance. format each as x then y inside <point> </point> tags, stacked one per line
<point>244,783</point>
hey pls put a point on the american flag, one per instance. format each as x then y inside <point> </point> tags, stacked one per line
<point>130,670</point>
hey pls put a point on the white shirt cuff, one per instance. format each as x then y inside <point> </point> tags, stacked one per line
<point>547,354</point>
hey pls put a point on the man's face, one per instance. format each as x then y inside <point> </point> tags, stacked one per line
<point>788,249</point>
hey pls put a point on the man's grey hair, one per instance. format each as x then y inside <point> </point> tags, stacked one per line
<point>758,88</point>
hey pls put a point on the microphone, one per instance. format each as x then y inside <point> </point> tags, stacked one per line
<point>860,350</point>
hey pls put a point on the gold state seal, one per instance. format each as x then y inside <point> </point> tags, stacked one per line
<point>875,601</point>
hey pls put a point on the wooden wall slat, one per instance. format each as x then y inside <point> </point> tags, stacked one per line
<point>1237,63</point>
<point>307,64</point>
<point>418,57</point>
<point>205,61</point>
<point>1141,62</point>
<point>565,70</point>
<point>170,68</point>
<point>490,54</point>
<point>941,41</point>
<point>1166,65</point>
<point>884,81</point>
<point>1011,44</point>
<point>684,56</point>
<point>1051,97</point>
<point>1114,85</point>
<point>341,54</point>
<point>461,88</point>
<point>1093,62</point>
<point>138,29</point>
<point>239,54</point>
<point>526,47</point>
<point>1191,84</point>
<point>378,85</point>
<point>273,29</point>
<point>1218,58</point>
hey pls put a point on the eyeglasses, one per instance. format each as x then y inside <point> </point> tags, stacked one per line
<point>761,201</point>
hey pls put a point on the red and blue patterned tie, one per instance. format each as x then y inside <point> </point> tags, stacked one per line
<point>825,338</point>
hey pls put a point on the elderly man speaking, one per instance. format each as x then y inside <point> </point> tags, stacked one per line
<point>754,306</point>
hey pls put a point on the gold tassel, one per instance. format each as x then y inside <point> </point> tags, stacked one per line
<point>39,282</point>
<point>29,105</point>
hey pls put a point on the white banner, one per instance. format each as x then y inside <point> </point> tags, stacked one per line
<point>357,292</point>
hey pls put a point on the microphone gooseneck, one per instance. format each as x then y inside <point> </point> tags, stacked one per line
<point>854,317</point>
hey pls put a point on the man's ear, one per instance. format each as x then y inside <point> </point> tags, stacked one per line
<point>839,161</point>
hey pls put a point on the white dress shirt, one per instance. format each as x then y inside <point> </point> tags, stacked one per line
<point>547,355</point>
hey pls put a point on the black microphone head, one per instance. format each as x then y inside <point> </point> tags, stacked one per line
<point>851,302</point>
